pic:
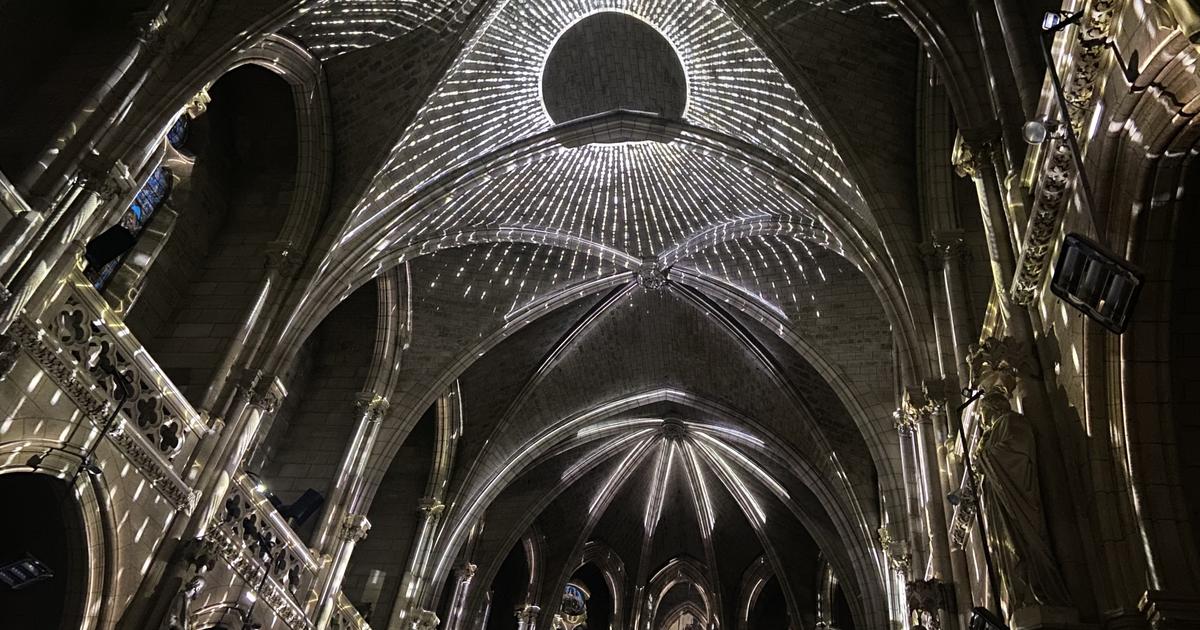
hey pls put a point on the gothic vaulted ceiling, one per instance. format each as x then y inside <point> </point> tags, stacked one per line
<point>650,243</point>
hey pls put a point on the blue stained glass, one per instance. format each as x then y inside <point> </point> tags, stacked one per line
<point>178,133</point>
<point>145,203</point>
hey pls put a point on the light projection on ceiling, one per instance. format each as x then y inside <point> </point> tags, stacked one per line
<point>329,28</point>
<point>492,97</point>
<point>684,452</point>
<point>612,60</point>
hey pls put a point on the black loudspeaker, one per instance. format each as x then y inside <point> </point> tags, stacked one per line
<point>303,508</point>
<point>108,246</point>
<point>984,619</point>
<point>1101,284</point>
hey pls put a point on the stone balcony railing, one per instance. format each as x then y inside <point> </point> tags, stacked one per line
<point>346,616</point>
<point>262,548</point>
<point>79,342</point>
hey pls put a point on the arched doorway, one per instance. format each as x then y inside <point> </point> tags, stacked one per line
<point>45,523</point>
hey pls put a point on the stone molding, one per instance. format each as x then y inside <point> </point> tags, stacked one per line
<point>1058,175</point>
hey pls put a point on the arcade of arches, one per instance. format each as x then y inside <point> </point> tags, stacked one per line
<point>599,314</point>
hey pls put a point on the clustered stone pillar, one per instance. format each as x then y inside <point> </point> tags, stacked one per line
<point>412,585</point>
<point>354,528</point>
<point>458,602</point>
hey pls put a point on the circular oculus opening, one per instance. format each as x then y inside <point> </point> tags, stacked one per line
<point>612,60</point>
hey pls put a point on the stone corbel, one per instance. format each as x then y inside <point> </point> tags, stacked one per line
<point>355,527</point>
<point>970,159</point>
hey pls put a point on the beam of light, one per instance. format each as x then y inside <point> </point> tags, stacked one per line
<point>619,474</point>
<point>705,515</point>
<point>602,452</point>
<point>746,463</point>
<point>657,493</point>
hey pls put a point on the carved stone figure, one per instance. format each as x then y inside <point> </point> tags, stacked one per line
<point>1006,457</point>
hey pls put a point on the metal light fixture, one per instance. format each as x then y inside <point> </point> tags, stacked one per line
<point>1055,21</point>
<point>29,570</point>
<point>1096,282</point>
<point>1038,131</point>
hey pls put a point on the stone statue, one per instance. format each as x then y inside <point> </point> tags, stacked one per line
<point>179,617</point>
<point>1006,457</point>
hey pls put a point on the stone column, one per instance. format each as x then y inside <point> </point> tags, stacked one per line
<point>457,616</point>
<point>369,408</point>
<point>93,187</point>
<point>354,528</point>
<point>527,617</point>
<point>413,584</point>
<point>282,264</point>
<point>920,410</point>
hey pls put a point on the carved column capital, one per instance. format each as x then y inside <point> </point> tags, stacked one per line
<point>425,620</point>
<point>897,551</point>
<point>199,103</point>
<point>371,405</point>
<point>355,527</point>
<point>465,571</point>
<point>528,615</point>
<point>970,157</point>
<point>105,180</point>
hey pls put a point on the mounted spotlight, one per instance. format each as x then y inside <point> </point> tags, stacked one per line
<point>1055,21</point>
<point>1097,282</point>
<point>25,572</point>
<point>1038,131</point>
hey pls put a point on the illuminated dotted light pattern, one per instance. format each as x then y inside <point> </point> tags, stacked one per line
<point>509,276</point>
<point>640,198</point>
<point>492,97</point>
<point>780,270</point>
<point>332,27</point>
<point>778,12</point>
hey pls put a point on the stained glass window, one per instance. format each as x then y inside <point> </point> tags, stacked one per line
<point>147,201</point>
<point>177,135</point>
